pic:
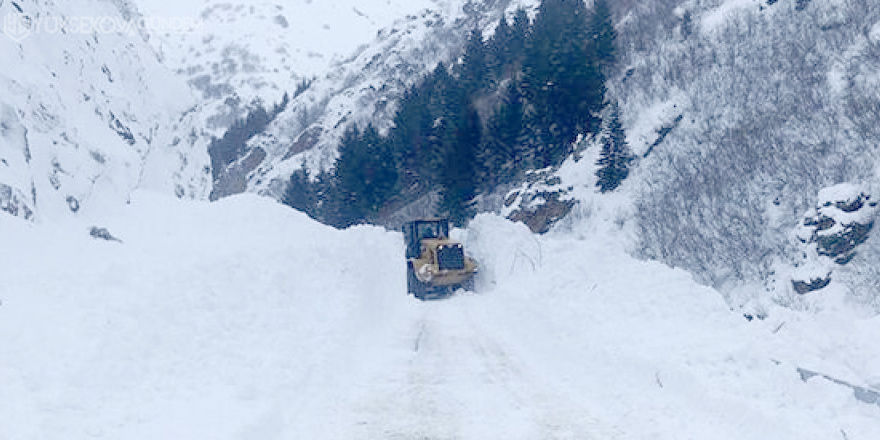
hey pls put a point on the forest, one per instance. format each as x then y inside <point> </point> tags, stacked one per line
<point>511,103</point>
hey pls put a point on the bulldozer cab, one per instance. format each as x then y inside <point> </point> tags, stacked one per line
<point>416,231</point>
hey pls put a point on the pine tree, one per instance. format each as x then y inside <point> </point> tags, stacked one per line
<point>561,79</point>
<point>520,31</point>
<point>301,193</point>
<point>380,170</point>
<point>602,34</point>
<point>366,171</point>
<point>498,157</point>
<point>499,57</point>
<point>616,157</point>
<point>408,138</point>
<point>473,73</point>
<point>349,174</point>
<point>458,175</point>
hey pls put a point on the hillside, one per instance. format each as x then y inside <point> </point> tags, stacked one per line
<point>744,111</point>
<point>339,63</point>
<point>87,116</point>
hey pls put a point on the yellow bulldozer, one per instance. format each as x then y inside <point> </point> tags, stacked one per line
<point>436,266</point>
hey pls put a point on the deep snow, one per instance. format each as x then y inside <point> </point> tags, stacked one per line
<point>245,320</point>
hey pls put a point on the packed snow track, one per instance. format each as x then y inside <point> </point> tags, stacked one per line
<point>244,320</point>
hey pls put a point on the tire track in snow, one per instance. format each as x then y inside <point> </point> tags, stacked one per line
<point>459,382</point>
<point>554,415</point>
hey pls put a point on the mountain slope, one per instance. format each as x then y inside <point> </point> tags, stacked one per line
<point>744,111</point>
<point>108,116</point>
<point>339,62</point>
<point>87,112</point>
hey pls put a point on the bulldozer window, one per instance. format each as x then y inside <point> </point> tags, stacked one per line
<point>428,230</point>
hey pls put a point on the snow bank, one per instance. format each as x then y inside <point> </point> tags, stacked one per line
<point>502,249</point>
<point>203,320</point>
<point>644,348</point>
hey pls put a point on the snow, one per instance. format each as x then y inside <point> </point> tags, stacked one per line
<point>717,17</point>
<point>837,80</point>
<point>243,319</point>
<point>874,33</point>
<point>93,107</point>
<point>313,34</point>
<point>14,151</point>
<point>845,193</point>
<point>645,131</point>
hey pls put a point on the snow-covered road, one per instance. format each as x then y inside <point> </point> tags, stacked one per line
<point>451,377</point>
<point>244,320</point>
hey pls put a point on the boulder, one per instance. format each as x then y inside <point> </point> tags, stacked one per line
<point>832,232</point>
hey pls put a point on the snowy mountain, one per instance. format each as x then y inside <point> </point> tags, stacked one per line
<point>108,96</point>
<point>87,113</point>
<point>340,62</point>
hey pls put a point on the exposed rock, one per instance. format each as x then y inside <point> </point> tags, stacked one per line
<point>540,203</point>
<point>235,178</point>
<point>841,222</point>
<point>803,287</point>
<point>14,203</point>
<point>841,246</point>
<point>102,234</point>
<point>15,158</point>
<point>832,232</point>
<point>541,217</point>
<point>305,141</point>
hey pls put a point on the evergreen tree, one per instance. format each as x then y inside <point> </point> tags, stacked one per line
<point>520,31</point>
<point>554,90</point>
<point>366,172</point>
<point>562,80</point>
<point>498,154</point>
<point>349,174</point>
<point>498,52</point>
<point>602,34</point>
<point>616,157</point>
<point>458,175</point>
<point>333,208</point>
<point>301,193</point>
<point>473,73</point>
<point>409,136</point>
<point>380,170</point>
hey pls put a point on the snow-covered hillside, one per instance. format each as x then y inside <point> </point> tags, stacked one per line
<point>743,111</point>
<point>108,96</point>
<point>341,62</point>
<point>242,319</point>
<point>88,113</point>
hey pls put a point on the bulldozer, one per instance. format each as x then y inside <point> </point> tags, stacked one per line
<point>436,266</point>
